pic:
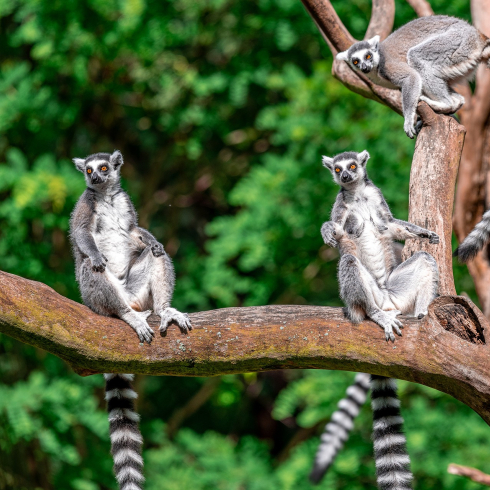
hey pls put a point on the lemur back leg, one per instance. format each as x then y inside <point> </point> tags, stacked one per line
<point>103,293</point>
<point>151,283</point>
<point>413,284</point>
<point>430,59</point>
<point>361,294</point>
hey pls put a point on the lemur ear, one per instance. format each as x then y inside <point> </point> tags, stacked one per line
<point>116,159</point>
<point>363,157</point>
<point>327,162</point>
<point>342,56</point>
<point>373,42</point>
<point>80,164</point>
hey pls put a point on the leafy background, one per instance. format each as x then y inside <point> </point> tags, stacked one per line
<point>222,110</point>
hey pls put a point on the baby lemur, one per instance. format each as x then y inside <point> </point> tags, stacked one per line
<point>372,285</point>
<point>124,272</point>
<point>423,58</point>
<point>364,228</point>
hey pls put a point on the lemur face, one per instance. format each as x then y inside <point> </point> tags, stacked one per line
<point>100,169</point>
<point>362,56</point>
<point>348,168</point>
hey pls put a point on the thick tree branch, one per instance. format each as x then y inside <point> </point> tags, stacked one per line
<point>432,179</point>
<point>446,350</point>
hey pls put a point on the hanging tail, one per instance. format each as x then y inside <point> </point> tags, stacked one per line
<point>336,432</point>
<point>126,438</point>
<point>390,446</point>
<point>475,241</point>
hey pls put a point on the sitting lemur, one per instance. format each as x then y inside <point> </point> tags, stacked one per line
<point>424,59</point>
<point>124,272</point>
<point>373,286</point>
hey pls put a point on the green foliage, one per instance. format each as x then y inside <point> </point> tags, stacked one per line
<point>222,110</point>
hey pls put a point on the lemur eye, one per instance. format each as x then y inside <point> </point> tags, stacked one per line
<point>353,166</point>
<point>368,57</point>
<point>337,169</point>
<point>355,62</point>
<point>89,170</point>
<point>104,168</point>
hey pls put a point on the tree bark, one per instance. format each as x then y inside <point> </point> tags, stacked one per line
<point>432,181</point>
<point>446,350</point>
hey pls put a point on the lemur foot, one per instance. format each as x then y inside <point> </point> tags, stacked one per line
<point>137,320</point>
<point>409,126</point>
<point>170,315</point>
<point>421,315</point>
<point>387,320</point>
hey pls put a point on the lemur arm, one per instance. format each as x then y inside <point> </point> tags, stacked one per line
<point>404,76</point>
<point>329,227</point>
<point>82,218</point>
<point>402,230</point>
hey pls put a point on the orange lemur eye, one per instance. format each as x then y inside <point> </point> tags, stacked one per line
<point>104,168</point>
<point>355,62</point>
<point>368,57</point>
<point>353,166</point>
<point>89,170</point>
<point>337,169</point>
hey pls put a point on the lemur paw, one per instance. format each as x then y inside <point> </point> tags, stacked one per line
<point>137,320</point>
<point>387,320</point>
<point>170,315</point>
<point>328,233</point>
<point>409,126</point>
<point>99,263</point>
<point>157,249</point>
<point>433,238</point>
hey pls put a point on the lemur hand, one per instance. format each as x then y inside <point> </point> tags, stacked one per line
<point>157,249</point>
<point>433,238</point>
<point>98,263</point>
<point>328,234</point>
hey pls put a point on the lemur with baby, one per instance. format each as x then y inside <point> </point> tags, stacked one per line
<point>373,286</point>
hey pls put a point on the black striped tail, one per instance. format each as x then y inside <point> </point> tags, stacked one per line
<point>476,240</point>
<point>126,438</point>
<point>337,431</point>
<point>390,446</point>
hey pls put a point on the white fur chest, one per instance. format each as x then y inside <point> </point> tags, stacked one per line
<point>370,244</point>
<point>111,232</point>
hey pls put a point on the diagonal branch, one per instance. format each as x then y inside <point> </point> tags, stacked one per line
<point>382,19</point>
<point>421,7</point>
<point>446,350</point>
<point>329,23</point>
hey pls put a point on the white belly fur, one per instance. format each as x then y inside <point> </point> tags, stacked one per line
<point>114,240</point>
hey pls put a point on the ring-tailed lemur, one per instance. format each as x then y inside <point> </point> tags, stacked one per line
<point>122,271</point>
<point>423,58</point>
<point>364,230</point>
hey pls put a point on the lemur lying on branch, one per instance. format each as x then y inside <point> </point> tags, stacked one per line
<point>372,285</point>
<point>423,58</point>
<point>122,271</point>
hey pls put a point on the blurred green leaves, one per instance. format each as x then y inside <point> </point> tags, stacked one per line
<point>222,110</point>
